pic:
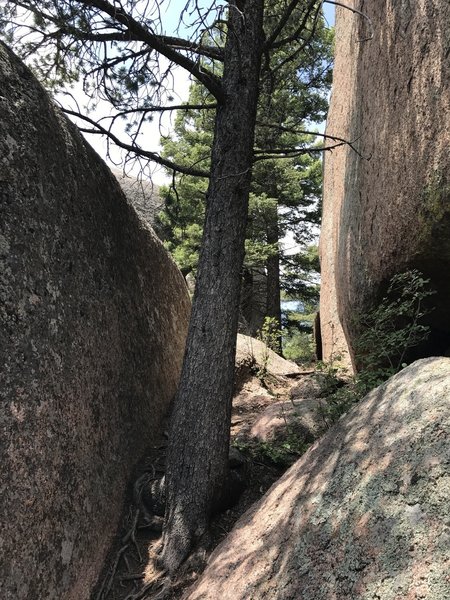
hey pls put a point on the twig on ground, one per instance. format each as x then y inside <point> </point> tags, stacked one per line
<point>107,582</point>
<point>131,535</point>
<point>132,576</point>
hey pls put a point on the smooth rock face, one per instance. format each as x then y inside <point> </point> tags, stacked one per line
<point>143,195</point>
<point>388,209</point>
<point>251,352</point>
<point>363,515</point>
<point>93,317</point>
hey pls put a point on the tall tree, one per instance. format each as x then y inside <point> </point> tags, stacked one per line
<point>121,53</point>
<point>285,192</point>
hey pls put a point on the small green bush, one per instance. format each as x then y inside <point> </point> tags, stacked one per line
<point>391,329</point>
<point>270,335</point>
<point>387,333</point>
<point>298,346</point>
<point>279,453</point>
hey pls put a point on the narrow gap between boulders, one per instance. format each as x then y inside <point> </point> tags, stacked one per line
<point>129,572</point>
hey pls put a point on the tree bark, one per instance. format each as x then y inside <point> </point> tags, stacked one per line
<point>273,306</point>
<point>197,465</point>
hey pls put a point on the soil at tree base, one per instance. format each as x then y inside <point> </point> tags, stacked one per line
<point>133,563</point>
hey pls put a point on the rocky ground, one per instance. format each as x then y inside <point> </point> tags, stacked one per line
<point>276,415</point>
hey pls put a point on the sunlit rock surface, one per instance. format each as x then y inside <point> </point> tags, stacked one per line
<point>386,205</point>
<point>364,514</point>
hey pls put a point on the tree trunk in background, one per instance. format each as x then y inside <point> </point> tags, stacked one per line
<point>273,306</point>
<point>317,333</point>
<point>200,427</point>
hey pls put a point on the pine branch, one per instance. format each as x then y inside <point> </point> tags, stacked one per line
<point>357,12</point>
<point>99,129</point>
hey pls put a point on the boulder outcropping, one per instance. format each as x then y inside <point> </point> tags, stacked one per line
<point>387,205</point>
<point>142,194</point>
<point>364,514</point>
<point>252,353</point>
<point>93,318</point>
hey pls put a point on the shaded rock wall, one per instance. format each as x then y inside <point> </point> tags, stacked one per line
<point>388,209</point>
<point>364,514</point>
<point>93,317</point>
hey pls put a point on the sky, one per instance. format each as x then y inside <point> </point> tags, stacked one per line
<point>151,134</point>
<point>328,11</point>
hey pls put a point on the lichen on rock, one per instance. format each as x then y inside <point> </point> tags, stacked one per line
<point>364,514</point>
<point>93,318</point>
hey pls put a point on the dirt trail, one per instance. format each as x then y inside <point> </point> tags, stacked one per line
<point>129,572</point>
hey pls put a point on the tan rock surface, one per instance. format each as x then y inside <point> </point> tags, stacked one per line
<point>387,209</point>
<point>93,317</point>
<point>364,514</point>
<point>143,195</point>
<point>250,351</point>
<point>334,343</point>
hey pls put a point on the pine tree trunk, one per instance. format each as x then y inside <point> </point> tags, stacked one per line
<point>273,306</point>
<point>200,430</point>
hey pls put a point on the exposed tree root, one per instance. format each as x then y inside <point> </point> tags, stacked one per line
<point>150,522</point>
<point>131,535</point>
<point>108,581</point>
<point>135,571</point>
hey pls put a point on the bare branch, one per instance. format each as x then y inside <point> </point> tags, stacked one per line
<point>142,33</point>
<point>302,46</point>
<point>149,109</point>
<point>127,36</point>
<point>296,152</point>
<point>213,52</point>
<point>270,43</point>
<point>296,131</point>
<point>135,148</point>
<point>357,12</point>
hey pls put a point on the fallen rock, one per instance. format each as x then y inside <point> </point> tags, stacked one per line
<point>252,353</point>
<point>364,514</point>
<point>93,318</point>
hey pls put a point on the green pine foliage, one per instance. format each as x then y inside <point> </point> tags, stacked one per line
<point>285,193</point>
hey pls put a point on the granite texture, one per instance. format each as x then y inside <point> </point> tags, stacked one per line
<point>387,206</point>
<point>93,318</point>
<point>363,515</point>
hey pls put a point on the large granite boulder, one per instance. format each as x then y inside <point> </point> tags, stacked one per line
<point>363,515</point>
<point>142,194</point>
<point>93,318</point>
<point>387,207</point>
<point>254,354</point>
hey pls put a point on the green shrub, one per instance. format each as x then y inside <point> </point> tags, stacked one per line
<point>298,346</point>
<point>280,453</point>
<point>387,333</point>
<point>270,335</point>
<point>391,329</point>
